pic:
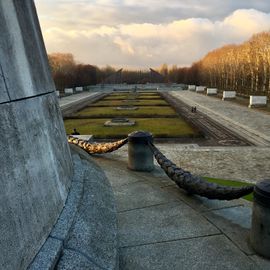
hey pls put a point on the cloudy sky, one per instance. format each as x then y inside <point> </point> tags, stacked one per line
<point>144,33</point>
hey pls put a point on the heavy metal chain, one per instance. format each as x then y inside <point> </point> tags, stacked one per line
<point>97,148</point>
<point>196,185</point>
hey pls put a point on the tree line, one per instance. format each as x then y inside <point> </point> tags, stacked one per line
<point>68,74</point>
<point>243,68</point>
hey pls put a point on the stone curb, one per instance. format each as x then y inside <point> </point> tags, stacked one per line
<point>62,249</point>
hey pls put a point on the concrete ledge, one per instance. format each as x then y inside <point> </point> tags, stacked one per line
<point>200,88</point>
<point>257,101</point>
<point>192,87</point>
<point>69,91</point>
<point>228,95</point>
<point>78,102</point>
<point>85,235</point>
<point>211,91</point>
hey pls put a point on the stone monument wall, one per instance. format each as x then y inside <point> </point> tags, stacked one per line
<point>36,167</point>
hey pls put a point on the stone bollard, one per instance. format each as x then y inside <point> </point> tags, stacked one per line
<point>260,229</point>
<point>140,157</point>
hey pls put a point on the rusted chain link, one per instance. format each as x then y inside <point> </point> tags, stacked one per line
<point>196,185</point>
<point>97,148</point>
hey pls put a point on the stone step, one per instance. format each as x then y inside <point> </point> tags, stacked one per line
<point>85,235</point>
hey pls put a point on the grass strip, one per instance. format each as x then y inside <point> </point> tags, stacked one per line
<point>232,183</point>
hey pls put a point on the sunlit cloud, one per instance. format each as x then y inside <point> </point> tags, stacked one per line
<point>112,39</point>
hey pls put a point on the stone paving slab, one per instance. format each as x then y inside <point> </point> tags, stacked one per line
<point>140,194</point>
<point>214,252</point>
<point>235,223</point>
<point>160,223</point>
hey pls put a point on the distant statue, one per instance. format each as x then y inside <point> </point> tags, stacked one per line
<point>75,132</point>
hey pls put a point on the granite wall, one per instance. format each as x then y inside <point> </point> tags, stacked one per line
<point>36,166</point>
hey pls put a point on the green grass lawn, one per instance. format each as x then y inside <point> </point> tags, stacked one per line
<point>232,183</point>
<point>112,103</point>
<point>144,111</point>
<point>159,127</point>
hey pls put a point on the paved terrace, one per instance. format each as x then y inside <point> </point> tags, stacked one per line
<point>161,227</point>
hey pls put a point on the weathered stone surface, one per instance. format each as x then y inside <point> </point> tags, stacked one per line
<point>192,87</point>
<point>235,222</point>
<point>228,95</point>
<point>3,90</point>
<point>133,196</point>
<point>72,259</point>
<point>85,235</point>
<point>36,169</point>
<point>161,223</point>
<point>94,231</point>
<point>260,230</point>
<point>140,157</point>
<point>22,52</point>
<point>118,122</point>
<point>262,263</point>
<point>215,252</point>
<point>79,89</point>
<point>48,255</point>
<point>69,91</point>
<point>200,88</point>
<point>257,101</point>
<point>66,219</point>
<point>36,166</point>
<point>211,91</point>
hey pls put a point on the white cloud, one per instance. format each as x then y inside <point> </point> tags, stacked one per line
<point>245,22</point>
<point>179,42</point>
<point>125,46</point>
